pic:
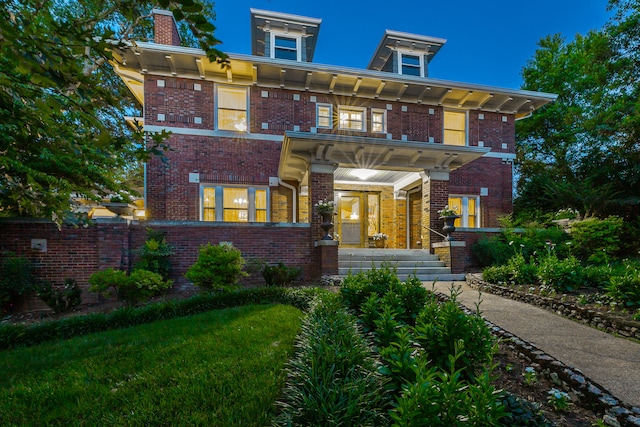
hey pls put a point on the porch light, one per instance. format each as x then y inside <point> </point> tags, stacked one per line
<point>363,174</point>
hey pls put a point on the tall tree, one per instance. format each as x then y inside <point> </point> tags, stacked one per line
<point>582,151</point>
<point>62,106</point>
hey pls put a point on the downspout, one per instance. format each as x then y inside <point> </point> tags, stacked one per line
<point>295,197</point>
<point>408,207</point>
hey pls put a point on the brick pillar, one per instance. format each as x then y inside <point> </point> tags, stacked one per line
<point>324,257</point>
<point>113,243</point>
<point>452,254</point>
<point>165,28</point>
<point>435,196</point>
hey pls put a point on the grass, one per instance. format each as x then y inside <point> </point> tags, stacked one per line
<point>220,368</point>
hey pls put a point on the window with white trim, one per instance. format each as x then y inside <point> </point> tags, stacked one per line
<point>352,118</point>
<point>231,108</point>
<point>378,120</point>
<point>234,204</point>
<point>410,64</point>
<point>455,127</point>
<point>285,47</point>
<point>324,116</point>
<point>468,207</point>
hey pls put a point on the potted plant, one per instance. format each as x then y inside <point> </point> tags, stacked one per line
<point>380,240</point>
<point>120,204</point>
<point>325,208</point>
<point>449,216</point>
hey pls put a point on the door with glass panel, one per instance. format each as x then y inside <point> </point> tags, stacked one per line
<point>358,218</point>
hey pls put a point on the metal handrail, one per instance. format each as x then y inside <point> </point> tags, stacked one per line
<point>434,231</point>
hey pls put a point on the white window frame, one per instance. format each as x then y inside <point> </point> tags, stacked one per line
<point>383,113</point>
<point>401,62</point>
<point>362,110</point>
<point>330,107</point>
<point>217,106</point>
<point>464,215</point>
<point>466,126</point>
<point>296,37</point>
<point>251,201</point>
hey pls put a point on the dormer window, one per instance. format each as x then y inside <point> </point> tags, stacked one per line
<point>411,65</point>
<point>285,47</point>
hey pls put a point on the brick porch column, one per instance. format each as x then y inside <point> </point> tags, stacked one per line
<point>435,196</point>
<point>324,255</point>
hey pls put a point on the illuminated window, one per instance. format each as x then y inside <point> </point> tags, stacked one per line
<point>324,113</point>
<point>232,108</point>
<point>378,121</point>
<point>352,118</point>
<point>411,65</point>
<point>285,48</point>
<point>455,128</point>
<point>235,204</point>
<point>468,207</point>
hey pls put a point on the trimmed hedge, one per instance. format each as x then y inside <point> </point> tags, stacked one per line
<point>15,335</point>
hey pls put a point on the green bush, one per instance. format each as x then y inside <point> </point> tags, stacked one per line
<point>61,298</point>
<point>333,378</point>
<point>16,280</point>
<point>14,335</point>
<point>219,267</point>
<point>491,251</point>
<point>498,274</point>
<point>155,254</point>
<point>597,276</point>
<point>625,287</point>
<point>443,330</point>
<point>563,275</point>
<point>280,274</point>
<point>140,285</point>
<point>597,241</point>
<point>517,271</point>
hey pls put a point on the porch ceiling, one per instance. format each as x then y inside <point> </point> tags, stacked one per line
<point>301,149</point>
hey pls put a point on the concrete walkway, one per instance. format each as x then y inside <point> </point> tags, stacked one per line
<point>612,362</point>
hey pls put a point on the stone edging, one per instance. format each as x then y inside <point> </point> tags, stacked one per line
<point>606,322</point>
<point>617,414</point>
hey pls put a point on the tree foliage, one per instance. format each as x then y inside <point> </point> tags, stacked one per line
<point>61,105</point>
<point>583,150</point>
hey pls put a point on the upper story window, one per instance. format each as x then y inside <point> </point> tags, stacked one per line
<point>234,204</point>
<point>231,108</point>
<point>285,47</point>
<point>468,207</point>
<point>324,116</point>
<point>455,128</point>
<point>352,118</point>
<point>378,121</point>
<point>410,64</point>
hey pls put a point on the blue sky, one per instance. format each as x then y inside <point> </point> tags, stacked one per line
<point>488,41</point>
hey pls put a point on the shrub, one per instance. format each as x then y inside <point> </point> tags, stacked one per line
<point>155,254</point>
<point>597,276</point>
<point>139,285</point>
<point>626,286</point>
<point>219,267</point>
<point>443,330</point>
<point>333,378</point>
<point>142,285</point>
<point>61,298</point>
<point>597,240</point>
<point>280,274</point>
<point>102,281</point>
<point>491,251</point>
<point>499,274</point>
<point>563,275</point>
<point>16,280</point>
<point>516,272</point>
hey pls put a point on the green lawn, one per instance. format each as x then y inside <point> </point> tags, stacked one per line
<point>221,368</point>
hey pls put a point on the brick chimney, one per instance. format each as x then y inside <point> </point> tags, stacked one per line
<point>165,28</point>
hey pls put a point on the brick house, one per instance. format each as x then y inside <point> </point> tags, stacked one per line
<point>261,142</point>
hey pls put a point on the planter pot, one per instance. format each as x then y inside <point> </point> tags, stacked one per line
<point>327,224</point>
<point>120,208</point>
<point>380,243</point>
<point>448,225</point>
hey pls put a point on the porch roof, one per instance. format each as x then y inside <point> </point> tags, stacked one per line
<point>301,149</point>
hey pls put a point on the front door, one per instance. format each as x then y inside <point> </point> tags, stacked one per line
<point>358,218</point>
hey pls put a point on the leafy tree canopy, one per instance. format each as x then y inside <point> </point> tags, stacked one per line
<point>583,150</point>
<point>62,131</point>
